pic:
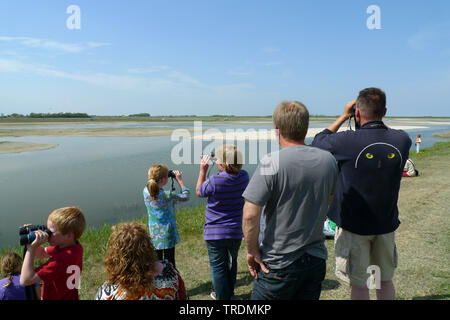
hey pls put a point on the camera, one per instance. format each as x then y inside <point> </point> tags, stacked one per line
<point>27,234</point>
<point>171,174</point>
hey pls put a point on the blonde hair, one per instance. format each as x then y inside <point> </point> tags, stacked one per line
<point>230,158</point>
<point>69,219</point>
<point>130,259</point>
<point>292,120</point>
<point>155,174</point>
<point>11,264</point>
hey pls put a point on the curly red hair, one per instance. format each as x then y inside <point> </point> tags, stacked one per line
<point>130,259</point>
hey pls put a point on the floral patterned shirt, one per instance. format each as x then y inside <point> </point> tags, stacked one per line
<point>162,222</point>
<point>166,286</point>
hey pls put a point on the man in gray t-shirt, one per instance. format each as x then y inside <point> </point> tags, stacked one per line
<point>294,187</point>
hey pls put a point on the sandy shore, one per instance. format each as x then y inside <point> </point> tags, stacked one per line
<point>214,134</point>
<point>89,132</point>
<point>442,134</point>
<point>237,134</point>
<point>18,147</point>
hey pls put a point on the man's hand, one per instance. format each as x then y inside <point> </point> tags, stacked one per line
<point>253,261</point>
<point>334,127</point>
<point>348,112</point>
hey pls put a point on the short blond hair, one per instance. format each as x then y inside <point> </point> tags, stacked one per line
<point>230,158</point>
<point>292,120</point>
<point>69,219</point>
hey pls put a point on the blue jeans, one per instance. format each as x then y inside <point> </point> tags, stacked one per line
<point>223,262</point>
<point>301,280</point>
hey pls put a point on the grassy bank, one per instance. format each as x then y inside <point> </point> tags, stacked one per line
<point>423,242</point>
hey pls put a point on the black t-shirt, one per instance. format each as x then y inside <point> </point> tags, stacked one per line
<point>371,162</point>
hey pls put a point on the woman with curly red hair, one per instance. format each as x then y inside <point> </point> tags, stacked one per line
<point>134,273</point>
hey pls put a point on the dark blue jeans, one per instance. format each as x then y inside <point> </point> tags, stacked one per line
<point>223,262</point>
<point>302,280</point>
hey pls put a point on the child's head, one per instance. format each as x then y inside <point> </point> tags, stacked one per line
<point>131,258</point>
<point>68,221</point>
<point>419,135</point>
<point>157,174</point>
<point>11,264</point>
<point>229,158</point>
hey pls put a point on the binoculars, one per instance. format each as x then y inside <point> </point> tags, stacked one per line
<point>28,234</point>
<point>212,156</point>
<point>171,174</point>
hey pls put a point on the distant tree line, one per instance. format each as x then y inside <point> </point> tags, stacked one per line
<point>140,115</point>
<point>47,115</point>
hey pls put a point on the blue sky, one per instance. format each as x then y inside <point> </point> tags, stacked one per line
<point>222,57</point>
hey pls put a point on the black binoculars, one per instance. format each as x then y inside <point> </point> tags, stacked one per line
<point>27,234</point>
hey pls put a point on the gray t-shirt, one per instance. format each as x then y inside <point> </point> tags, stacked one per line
<point>294,184</point>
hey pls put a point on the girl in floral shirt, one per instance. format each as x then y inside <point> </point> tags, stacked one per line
<point>161,210</point>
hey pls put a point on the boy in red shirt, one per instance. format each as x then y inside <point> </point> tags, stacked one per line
<point>61,273</point>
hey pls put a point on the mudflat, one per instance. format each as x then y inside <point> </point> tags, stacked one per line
<point>88,132</point>
<point>18,147</point>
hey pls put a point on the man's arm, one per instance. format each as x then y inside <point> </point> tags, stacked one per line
<point>326,139</point>
<point>334,127</point>
<point>250,227</point>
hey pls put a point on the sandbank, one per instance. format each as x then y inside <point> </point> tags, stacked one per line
<point>445,134</point>
<point>262,135</point>
<point>18,147</point>
<point>89,132</point>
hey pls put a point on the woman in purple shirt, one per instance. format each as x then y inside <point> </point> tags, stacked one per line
<point>223,225</point>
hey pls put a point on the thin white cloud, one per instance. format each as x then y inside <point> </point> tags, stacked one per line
<point>53,45</point>
<point>124,82</point>
<point>171,81</point>
<point>153,69</point>
<point>272,63</point>
<point>239,72</point>
<point>167,72</point>
<point>271,49</point>
<point>432,37</point>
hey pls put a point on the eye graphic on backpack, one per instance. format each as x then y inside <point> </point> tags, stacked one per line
<point>391,155</point>
<point>369,156</point>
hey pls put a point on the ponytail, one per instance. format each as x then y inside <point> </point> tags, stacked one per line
<point>153,188</point>
<point>155,174</point>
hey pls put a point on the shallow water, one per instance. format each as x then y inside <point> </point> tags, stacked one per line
<point>105,176</point>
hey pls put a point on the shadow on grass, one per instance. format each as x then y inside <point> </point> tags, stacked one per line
<point>328,284</point>
<point>247,280</point>
<point>434,297</point>
<point>206,287</point>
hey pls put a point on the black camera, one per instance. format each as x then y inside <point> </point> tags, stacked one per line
<point>27,234</point>
<point>171,174</point>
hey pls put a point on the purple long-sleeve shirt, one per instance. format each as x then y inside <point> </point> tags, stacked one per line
<point>225,205</point>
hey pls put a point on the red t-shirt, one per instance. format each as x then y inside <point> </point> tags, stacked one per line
<point>61,273</point>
